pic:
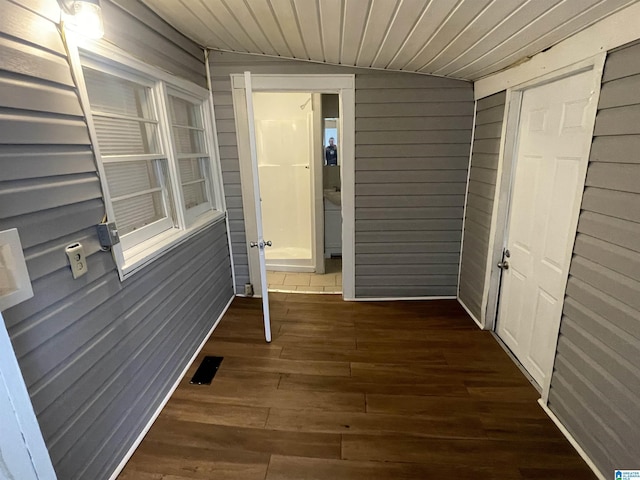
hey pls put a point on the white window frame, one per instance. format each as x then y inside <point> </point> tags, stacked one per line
<point>150,231</point>
<point>110,59</point>
<point>191,215</point>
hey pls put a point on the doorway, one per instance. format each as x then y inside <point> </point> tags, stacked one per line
<point>284,143</point>
<point>342,86</point>
<point>306,256</point>
<point>552,144</point>
<point>305,235</point>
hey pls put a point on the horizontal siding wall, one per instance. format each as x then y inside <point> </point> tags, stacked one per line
<point>595,388</point>
<point>412,146</point>
<point>98,355</point>
<point>413,136</point>
<point>480,195</point>
<point>137,30</point>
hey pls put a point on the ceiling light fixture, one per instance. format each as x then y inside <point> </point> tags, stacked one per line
<point>83,17</point>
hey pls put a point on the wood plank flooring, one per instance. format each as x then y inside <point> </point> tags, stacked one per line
<point>346,390</point>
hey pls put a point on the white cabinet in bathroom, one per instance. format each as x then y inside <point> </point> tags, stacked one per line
<point>332,229</point>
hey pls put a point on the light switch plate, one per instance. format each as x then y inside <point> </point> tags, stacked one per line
<point>15,285</point>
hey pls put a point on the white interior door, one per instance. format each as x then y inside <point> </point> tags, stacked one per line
<point>259,242</point>
<point>554,137</point>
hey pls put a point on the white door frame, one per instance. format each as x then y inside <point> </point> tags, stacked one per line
<point>344,86</point>
<point>317,182</point>
<point>504,183</point>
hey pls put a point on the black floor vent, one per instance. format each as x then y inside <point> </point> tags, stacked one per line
<point>206,371</point>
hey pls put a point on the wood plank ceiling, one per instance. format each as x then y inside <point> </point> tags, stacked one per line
<point>465,39</point>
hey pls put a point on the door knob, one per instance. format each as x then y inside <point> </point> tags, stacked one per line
<point>504,265</point>
<point>260,244</point>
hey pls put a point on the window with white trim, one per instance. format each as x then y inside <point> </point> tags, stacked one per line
<point>153,145</point>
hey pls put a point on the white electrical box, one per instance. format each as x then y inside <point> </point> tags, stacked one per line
<point>15,286</point>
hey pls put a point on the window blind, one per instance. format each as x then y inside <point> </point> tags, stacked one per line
<point>127,128</point>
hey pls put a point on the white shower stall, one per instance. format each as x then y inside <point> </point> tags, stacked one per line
<point>284,141</point>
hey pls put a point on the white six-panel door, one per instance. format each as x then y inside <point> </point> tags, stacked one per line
<point>552,150</point>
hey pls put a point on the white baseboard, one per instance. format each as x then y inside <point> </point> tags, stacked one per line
<point>146,429</point>
<point>396,299</point>
<point>572,441</point>
<point>473,317</point>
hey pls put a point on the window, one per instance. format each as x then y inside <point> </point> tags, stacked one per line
<point>152,140</point>
<point>191,153</point>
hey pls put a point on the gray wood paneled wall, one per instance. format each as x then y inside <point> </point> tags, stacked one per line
<point>595,388</point>
<point>413,135</point>
<point>480,195</point>
<point>136,29</point>
<point>98,355</point>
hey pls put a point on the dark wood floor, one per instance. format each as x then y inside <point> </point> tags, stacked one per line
<point>393,390</point>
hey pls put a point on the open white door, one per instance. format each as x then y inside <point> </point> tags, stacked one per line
<point>259,243</point>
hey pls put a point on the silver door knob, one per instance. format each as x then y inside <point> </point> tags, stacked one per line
<point>260,244</point>
<point>504,265</point>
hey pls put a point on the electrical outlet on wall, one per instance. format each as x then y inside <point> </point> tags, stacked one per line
<point>77,260</point>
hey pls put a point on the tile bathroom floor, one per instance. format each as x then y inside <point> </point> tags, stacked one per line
<point>329,282</point>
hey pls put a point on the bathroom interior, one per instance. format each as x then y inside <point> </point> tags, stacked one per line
<point>301,213</point>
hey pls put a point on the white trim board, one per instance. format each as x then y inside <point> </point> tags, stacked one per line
<point>618,29</point>
<point>153,418</point>
<point>504,178</point>
<point>344,85</point>
<point>574,443</point>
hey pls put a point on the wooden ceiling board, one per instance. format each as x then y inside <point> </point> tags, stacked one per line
<point>503,30</point>
<point>570,27</point>
<point>287,21</point>
<point>225,16</point>
<point>263,14</point>
<point>245,17</point>
<point>403,25</point>
<point>309,20</point>
<point>465,39</point>
<point>182,17</point>
<point>447,32</point>
<point>522,39</point>
<point>474,32</point>
<point>332,16</point>
<point>356,13</point>
<point>436,13</point>
<point>202,11</point>
<point>380,17</point>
